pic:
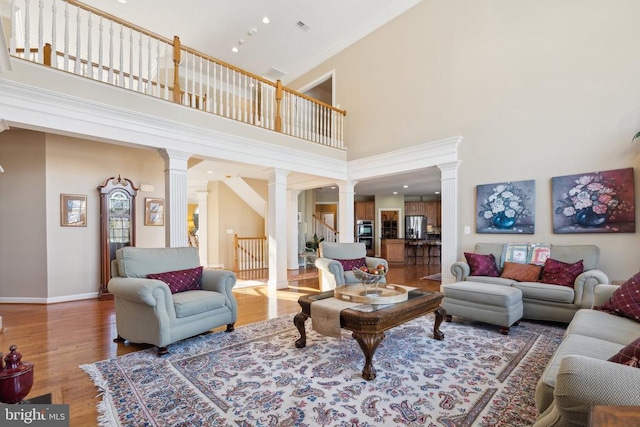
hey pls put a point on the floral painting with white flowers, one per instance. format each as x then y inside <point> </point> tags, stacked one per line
<point>506,207</point>
<point>594,202</point>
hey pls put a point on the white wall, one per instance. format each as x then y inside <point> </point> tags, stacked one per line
<point>537,89</point>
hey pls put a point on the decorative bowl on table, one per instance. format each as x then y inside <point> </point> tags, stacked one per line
<point>370,279</point>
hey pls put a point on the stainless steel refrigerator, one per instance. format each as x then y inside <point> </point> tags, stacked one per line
<point>415,227</point>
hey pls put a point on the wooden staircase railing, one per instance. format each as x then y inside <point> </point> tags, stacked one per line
<point>250,253</point>
<point>322,229</point>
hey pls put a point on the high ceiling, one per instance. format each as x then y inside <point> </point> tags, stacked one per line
<point>299,36</point>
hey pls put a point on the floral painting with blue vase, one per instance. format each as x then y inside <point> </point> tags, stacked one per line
<point>506,207</point>
<point>594,202</point>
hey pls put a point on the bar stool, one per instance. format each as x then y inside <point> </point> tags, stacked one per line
<point>415,250</point>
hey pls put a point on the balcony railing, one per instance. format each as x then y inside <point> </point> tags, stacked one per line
<point>80,39</point>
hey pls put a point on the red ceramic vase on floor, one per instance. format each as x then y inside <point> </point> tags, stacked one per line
<point>16,378</point>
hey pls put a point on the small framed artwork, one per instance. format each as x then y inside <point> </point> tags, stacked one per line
<point>506,207</point>
<point>153,211</point>
<point>73,210</point>
<point>594,202</point>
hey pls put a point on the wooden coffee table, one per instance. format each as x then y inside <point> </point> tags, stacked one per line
<point>368,326</point>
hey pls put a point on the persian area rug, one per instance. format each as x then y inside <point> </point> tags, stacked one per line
<point>256,376</point>
<point>437,276</point>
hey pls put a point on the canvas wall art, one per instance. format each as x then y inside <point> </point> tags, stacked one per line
<point>594,202</point>
<point>506,207</point>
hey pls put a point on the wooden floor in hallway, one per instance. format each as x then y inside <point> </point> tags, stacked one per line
<point>58,338</point>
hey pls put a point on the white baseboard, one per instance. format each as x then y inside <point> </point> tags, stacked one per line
<point>54,300</point>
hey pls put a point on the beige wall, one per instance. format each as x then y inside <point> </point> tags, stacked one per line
<point>537,89</point>
<point>23,213</point>
<point>44,259</point>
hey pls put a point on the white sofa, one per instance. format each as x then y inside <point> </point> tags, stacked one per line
<point>542,301</point>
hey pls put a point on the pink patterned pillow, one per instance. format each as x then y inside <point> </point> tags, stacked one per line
<point>625,301</point>
<point>350,264</point>
<point>482,265</point>
<point>181,280</point>
<point>630,355</point>
<point>560,273</point>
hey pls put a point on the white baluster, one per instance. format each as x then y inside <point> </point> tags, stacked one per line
<point>208,87</point>
<point>233,98</point>
<point>27,31</point>
<point>41,32</point>
<point>14,25</point>
<point>228,104</point>
<point>110,76</point>
<point>214,101</point>
<point>101,50</point>
<point>156,74</point>
<point>89,46</point>
<point>77,69</point>
<point>166,71</point>
<point>140,65</point>
<point>202,98</point>
<point>54,33</point>
<point>149,76</point>
<point>131,58</point>
<point>66,36</point>
<point>121,66</point>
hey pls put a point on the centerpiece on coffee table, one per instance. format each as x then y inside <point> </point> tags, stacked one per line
<point>370,290</point>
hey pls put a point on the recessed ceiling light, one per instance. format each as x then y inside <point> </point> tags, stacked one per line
<point>122,1</point>
<point>241,42</point>
<point>234,49</point>
<point>209,171</point>
<point>405,186</point>
<point>395,192</point>
<point>333,188</point>
<point>265,20</point>
<point>252,31</point>
<point>437,192</point>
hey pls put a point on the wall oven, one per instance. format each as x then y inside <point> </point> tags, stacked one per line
<point>364,228</point>
<point>368,243</point>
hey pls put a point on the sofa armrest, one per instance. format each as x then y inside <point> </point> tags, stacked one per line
<point>583,382</point>
<point>584,287</point>
<point>221,281</point>
<point>603,293</point>
<point>139,290</point>
<point>331,273</point>
<point>460,270</point>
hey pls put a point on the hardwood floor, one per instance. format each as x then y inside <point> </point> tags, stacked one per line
<point>58,338</point>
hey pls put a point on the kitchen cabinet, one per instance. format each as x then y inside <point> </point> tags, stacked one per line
<point>392,250</point>
<point>433,212</point>
<point>365,210</point>
<point>414,208</point>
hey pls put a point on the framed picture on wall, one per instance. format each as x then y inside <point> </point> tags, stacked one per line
<point>153,211</point>
<point>594,202</point>
<point>506,207</point>
<point>73,210</point>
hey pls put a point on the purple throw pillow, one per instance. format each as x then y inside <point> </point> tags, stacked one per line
<point>625,301</point>
<point>482,265</point>
<point>560,273</point>
<point>181,280</point>
<point>630,355</point>
<point>350,264</point>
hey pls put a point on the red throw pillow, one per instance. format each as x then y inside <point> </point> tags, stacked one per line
<point>630,355</point>
<point>521,272</point>
<point>625,301</point>
<point>482,265</point>
<point>560,273</point>
<point>181,280</point>
<point>350,264</point>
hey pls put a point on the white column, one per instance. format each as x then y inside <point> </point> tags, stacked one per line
<point>277,229</point>
<point>449,229</point>
<point>346,226</point>
<point>203,227</point>
<point>175,203</point>
<point>292,230</point>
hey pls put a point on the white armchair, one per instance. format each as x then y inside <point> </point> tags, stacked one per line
<point>331,272</point>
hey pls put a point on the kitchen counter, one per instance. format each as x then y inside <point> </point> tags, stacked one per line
<point>392,250</point>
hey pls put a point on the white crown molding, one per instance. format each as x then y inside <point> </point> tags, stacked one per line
<point>417,157</point>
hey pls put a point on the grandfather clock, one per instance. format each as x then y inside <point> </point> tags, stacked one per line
<point>117,224</point>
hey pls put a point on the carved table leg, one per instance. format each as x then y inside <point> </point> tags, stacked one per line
<point>299,320</point>
<point>368,343</point>
<point>440,314</point>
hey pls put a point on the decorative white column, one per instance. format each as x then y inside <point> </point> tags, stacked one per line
<point>346,226</point>
<point>277,230</point>
<point>449,230</point>
<point>175,203</point>
<point>203,227</point>
<point>292,230</point>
